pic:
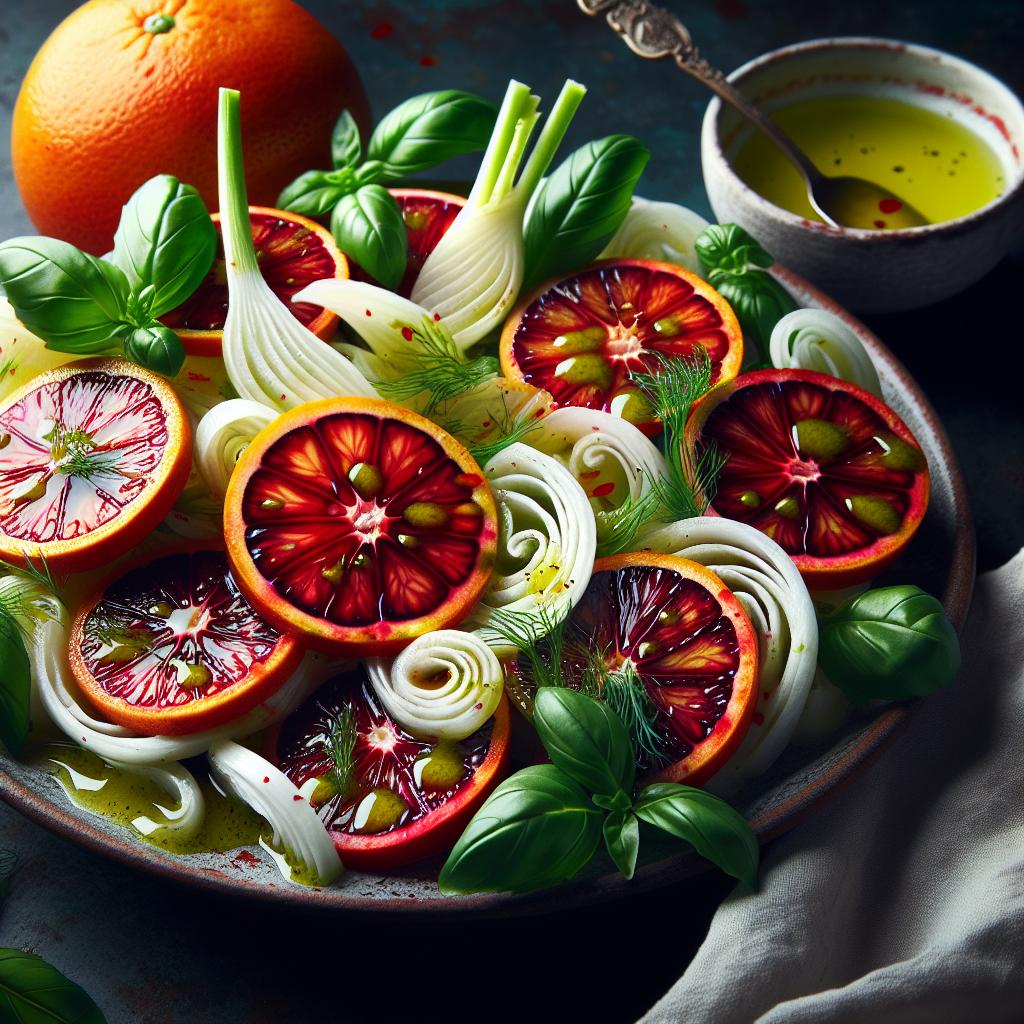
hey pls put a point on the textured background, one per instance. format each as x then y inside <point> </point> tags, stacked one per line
<point>151,953</point>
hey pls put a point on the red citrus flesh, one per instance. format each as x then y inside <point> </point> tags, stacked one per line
<point>427,216</point>
<point>406,798</point>
<point>692,649</point>
<point>92,457</point>
<point>360,525</point>
<point>581,338</point>
<point>292,252</point>
<point>172,646</point>
<point>821,466</point>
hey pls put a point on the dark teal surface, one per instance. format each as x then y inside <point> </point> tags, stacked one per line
<point>152,953</point>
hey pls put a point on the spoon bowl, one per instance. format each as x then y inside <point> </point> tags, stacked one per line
<point>853,201</point>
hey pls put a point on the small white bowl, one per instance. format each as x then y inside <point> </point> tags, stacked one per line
<point>873,271</point>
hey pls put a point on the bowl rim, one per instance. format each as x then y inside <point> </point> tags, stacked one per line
<point>768,824</point>
<point>711,142</point>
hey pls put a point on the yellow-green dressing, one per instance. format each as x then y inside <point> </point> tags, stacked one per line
<point>926,158</point>
<point>124,796</point>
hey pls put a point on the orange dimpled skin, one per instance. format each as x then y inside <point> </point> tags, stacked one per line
<point>123,91</point>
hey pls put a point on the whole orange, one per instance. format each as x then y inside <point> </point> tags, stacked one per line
<point>125,89</point>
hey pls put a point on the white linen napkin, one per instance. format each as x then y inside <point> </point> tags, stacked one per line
<point>903,900</point>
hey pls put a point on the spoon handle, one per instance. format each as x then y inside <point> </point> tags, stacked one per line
<point>652,32</point>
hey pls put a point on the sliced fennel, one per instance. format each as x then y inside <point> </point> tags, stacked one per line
<point>469,694</point>
<point>412,358</point>
<point>614,462</point>
<point>547,543</point>
<point>242,773</point>
<point>221,437</point>
<point>474,274</point>
<point>185,817</point>
<point>658,231</point>
<point>269,356</point>
<point>815,339</point>
<point>772,592</point>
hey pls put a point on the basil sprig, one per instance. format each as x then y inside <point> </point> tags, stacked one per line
<point>544,823</point>
<point>164,247</point>
<point>34,991</point>
<point>736,266</point>
<point>581,205</point>
<point>15,685</point>
<point>418,134</point>
<point>887,644</point>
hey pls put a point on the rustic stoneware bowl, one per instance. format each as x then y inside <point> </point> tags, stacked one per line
<point>940,559</point>
<point>873,271</point>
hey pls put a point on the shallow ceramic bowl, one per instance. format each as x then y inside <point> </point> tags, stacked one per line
<point>940,559</point>
<point>873,271</point>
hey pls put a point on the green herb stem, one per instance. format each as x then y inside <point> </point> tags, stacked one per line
<point>239,251</point>
<point>551,136</point>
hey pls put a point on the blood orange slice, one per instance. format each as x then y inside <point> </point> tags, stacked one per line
<point>821,466</point>
<point>667,644</point>
<point>427,215</point>
<point>292,251</point>
<point>92,457</point>
<point>172,647</point>
<point>580,338</point>
<point>401,798</point>
<point>359,524</point>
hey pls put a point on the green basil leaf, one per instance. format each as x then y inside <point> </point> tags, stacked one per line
<point>586,739</point>
<point>428,129</point>
<point>8,866</point>
<point>622,840</point>
<point>889,643</point>
<point>716,831</point>
<point>729,247</point>
<point>758,301</point>
<point>315,193</point>
<point>346,144</point>
<point>155,347</point>
<point>33,992</point>
<point>538,828</point>
<point>581,205</point>
<point>72,300</point>
<point>166,240</point>
<point>368,226</point>
<point>15,686</point>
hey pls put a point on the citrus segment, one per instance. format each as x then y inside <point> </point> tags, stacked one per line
<point>92,457</point>
<point>292,252</point>
<point>427,216</point>
<point>670,648</point>
<point>822,467</point>
<point>582,337</point>
<point>173,647</point>
<point>359,524</point>
<point>402,798</point>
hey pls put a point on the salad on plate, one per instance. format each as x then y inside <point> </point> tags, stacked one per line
<point>491,532</point>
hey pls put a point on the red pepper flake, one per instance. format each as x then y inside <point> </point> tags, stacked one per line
<point>282,398</point>
<point>428,61</point>
<point>758,718</point>
<point>879,223</point>
<point>890,205</point>
<point>407,333</point>
<point>266,778</point>
<point>382,30</point>
<point>486,424</point>
<point>368,313</point>
<point>297,796</point>
<point>479,707</point>
<point>603,490</point>
<point>437,317</point>
<point>590,474</point>
<point>192,375</point>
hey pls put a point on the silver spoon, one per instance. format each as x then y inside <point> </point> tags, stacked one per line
<point>652,32</point>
